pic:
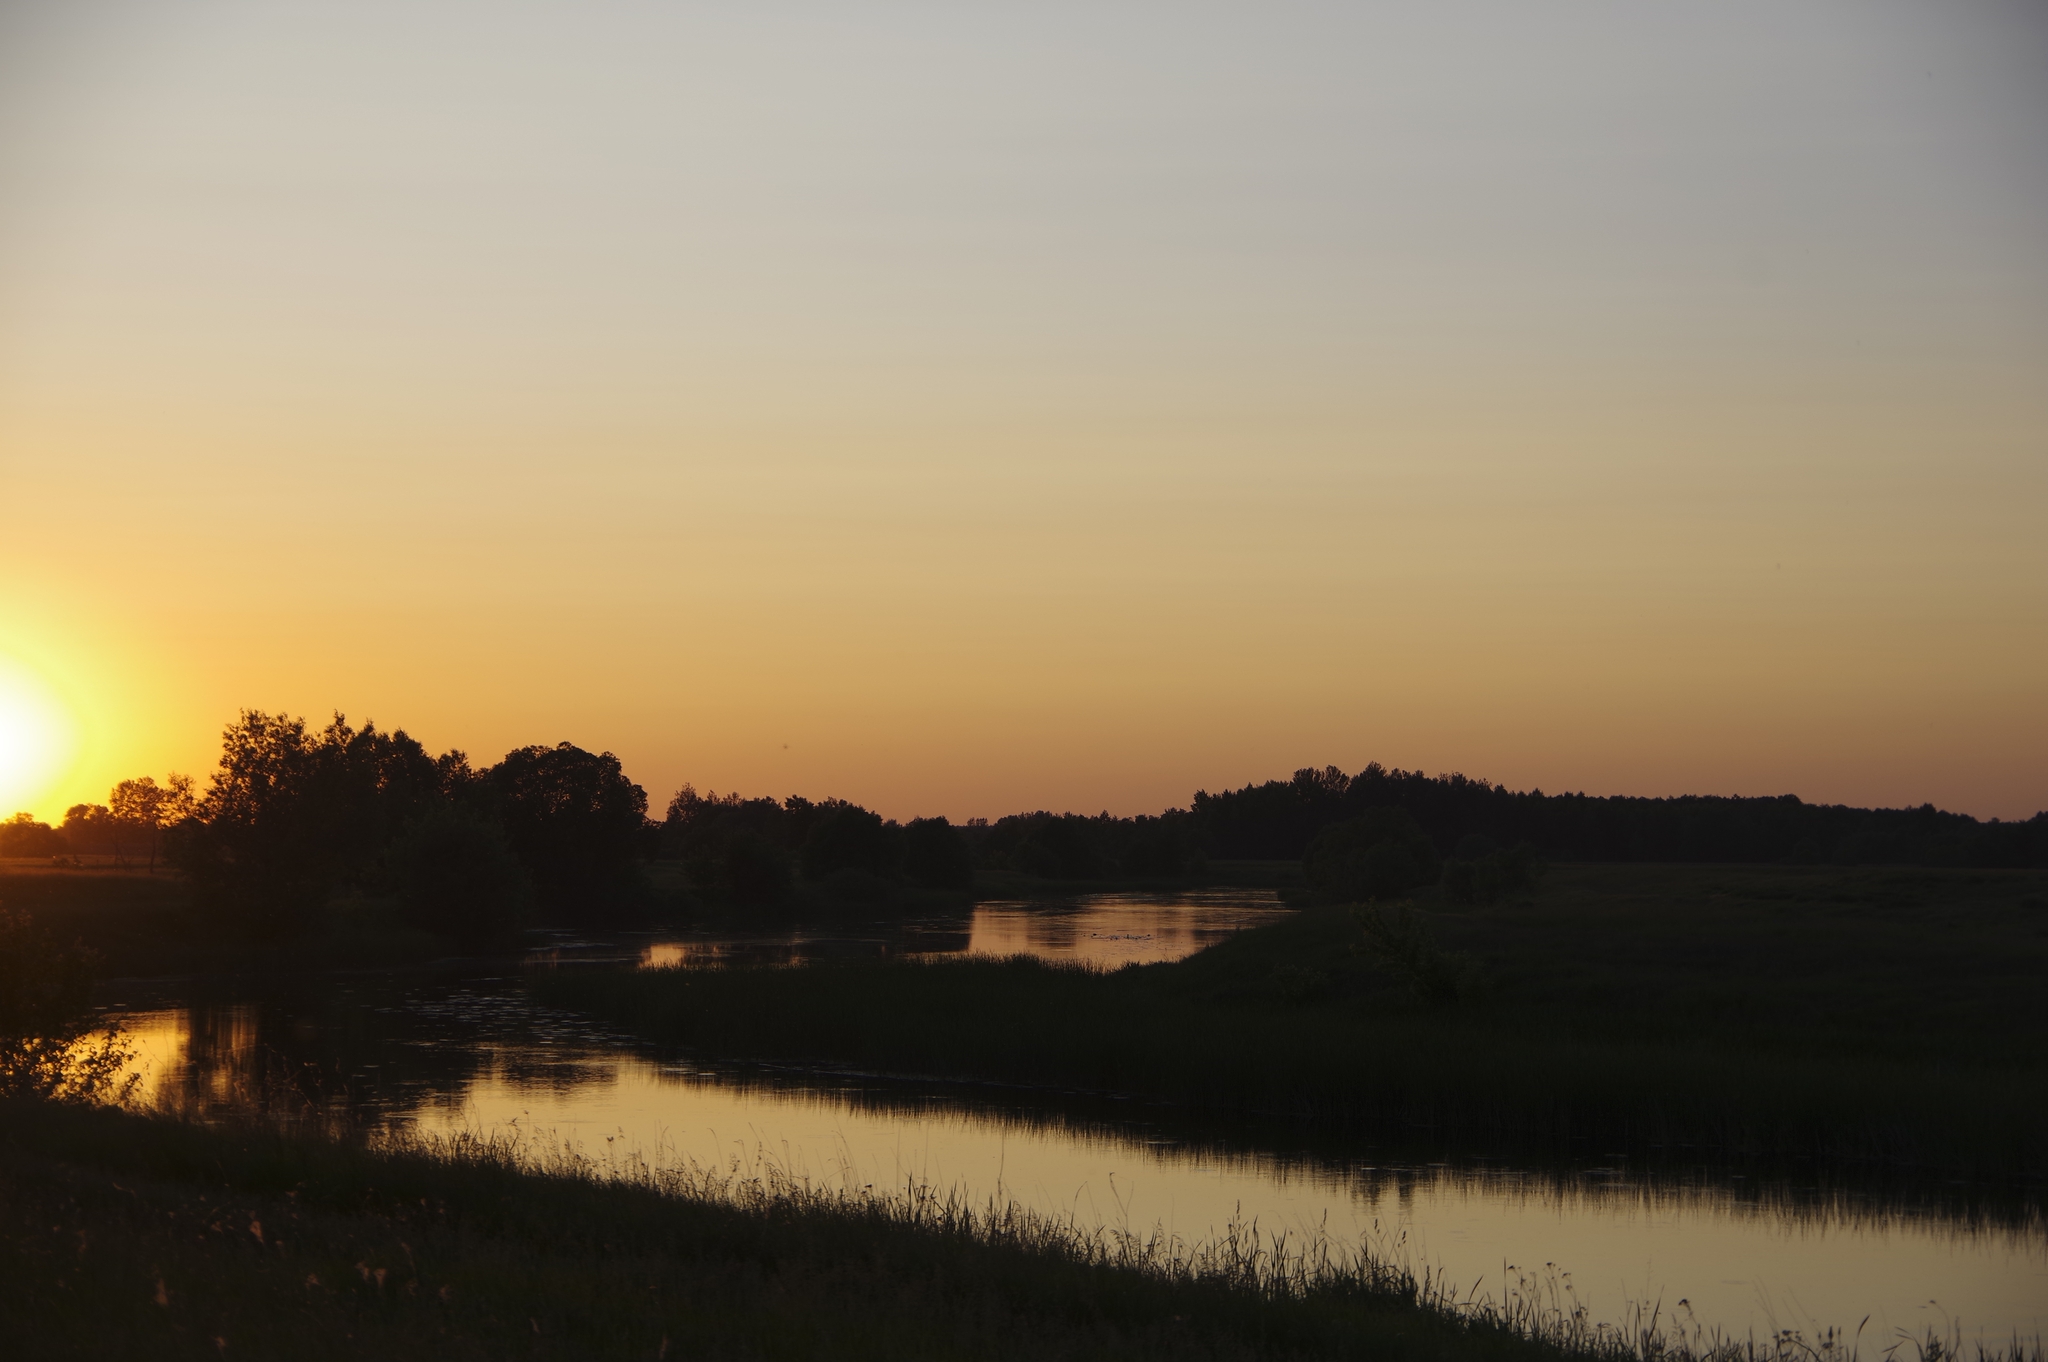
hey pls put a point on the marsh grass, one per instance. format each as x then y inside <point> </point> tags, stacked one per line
<point>1888,1022</point>
<point>130,1235</point>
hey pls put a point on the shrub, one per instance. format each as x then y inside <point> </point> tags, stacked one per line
<point>1379,854</point>
<point>49,1047</point>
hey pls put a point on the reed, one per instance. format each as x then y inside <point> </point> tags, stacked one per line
<point>1763,1016</point>
<point>123,1234</point>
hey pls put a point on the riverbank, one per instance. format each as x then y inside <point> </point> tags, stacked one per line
<point>121,1234</point>
<point>1782,1016</point>
<point>143,925</point>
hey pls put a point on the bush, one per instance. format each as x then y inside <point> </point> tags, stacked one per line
<point>1482,872</point>
<point>1377,855</point>
<point>49,1047</point>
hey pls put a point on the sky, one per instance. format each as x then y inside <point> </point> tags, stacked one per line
<point>972,408</point>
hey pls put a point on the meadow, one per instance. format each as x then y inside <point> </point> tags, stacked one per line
<point>1877,1018</point>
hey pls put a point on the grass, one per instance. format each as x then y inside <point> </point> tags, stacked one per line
<point>1882,1019</point>
<point>125,1235</point>
<point>143,925</point>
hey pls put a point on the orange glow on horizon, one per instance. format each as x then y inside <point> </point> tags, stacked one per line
<point>1045,407</point>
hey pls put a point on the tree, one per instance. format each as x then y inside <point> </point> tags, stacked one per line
<point>935,856</point>
<point>456,876</point>
<point>149,808</point>
<point>291,815</point>
<point>22,835</point>
<point>849,837</point>
<point>575,822</point>
<point>89,829</point>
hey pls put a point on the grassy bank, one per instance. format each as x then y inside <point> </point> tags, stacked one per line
<point>143,925</point>
<point>1885,1018</point>
<point>122,1235</point>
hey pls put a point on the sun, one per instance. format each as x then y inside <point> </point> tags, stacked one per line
<point>36,738</point>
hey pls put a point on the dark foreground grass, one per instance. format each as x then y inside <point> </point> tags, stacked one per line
<point>129,1236</point>
<point>1886,1018</point>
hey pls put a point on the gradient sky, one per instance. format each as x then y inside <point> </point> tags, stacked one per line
<point>971,408</point>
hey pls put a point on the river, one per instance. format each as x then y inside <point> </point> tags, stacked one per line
<point>462,1047</point>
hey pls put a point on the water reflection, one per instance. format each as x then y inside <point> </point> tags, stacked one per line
<point>474,1053</point>
<point>1103,930</point>
<point>1119,929</point>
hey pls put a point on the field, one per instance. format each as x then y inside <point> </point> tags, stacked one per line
<point>1888,1020</point>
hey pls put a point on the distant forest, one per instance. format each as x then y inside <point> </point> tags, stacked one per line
<point>1277,820</point>
<point>294,816</point>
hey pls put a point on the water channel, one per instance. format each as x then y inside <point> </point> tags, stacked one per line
<point>464,1048</point>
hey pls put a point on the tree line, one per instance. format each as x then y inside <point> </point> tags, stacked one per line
<point>294,816</point>
<point>1279,819</point>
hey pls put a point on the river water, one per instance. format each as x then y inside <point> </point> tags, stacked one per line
<point>464,1049</point>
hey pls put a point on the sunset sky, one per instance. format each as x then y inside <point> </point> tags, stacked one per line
<point>970,408</point>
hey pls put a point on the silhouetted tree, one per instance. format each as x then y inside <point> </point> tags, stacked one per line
<point>935,856</point>
<point>149,808</point>
<point>848,837</point>
<point>91,830</point>
<point>577,824</point>
<point>23,836</point>
<point>291,815</point>
<point>456,875</point>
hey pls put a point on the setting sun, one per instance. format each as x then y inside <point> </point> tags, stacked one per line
<point>35,737</point>
<point>1142,680</point>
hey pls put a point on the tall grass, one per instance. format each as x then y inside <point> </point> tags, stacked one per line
<point>1471,1079</point>
<point>122,1235</point>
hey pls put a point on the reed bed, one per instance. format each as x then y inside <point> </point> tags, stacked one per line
<point>126,1234</point>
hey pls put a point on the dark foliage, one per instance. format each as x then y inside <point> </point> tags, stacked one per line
<point>293,818</point>
<point>934,856</point>
<point>746,852</point>
<point>754,872</point>
<point>457,876</point>
<point>23,836</point>
<point>293,815</point>
<point>1278,820</point>
<point>577,824</point>
<point>1380,853</point>
<point>1482,872</point>
<point>46,1018</point>
<point>1074,847</point>
<point>848,837</point>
